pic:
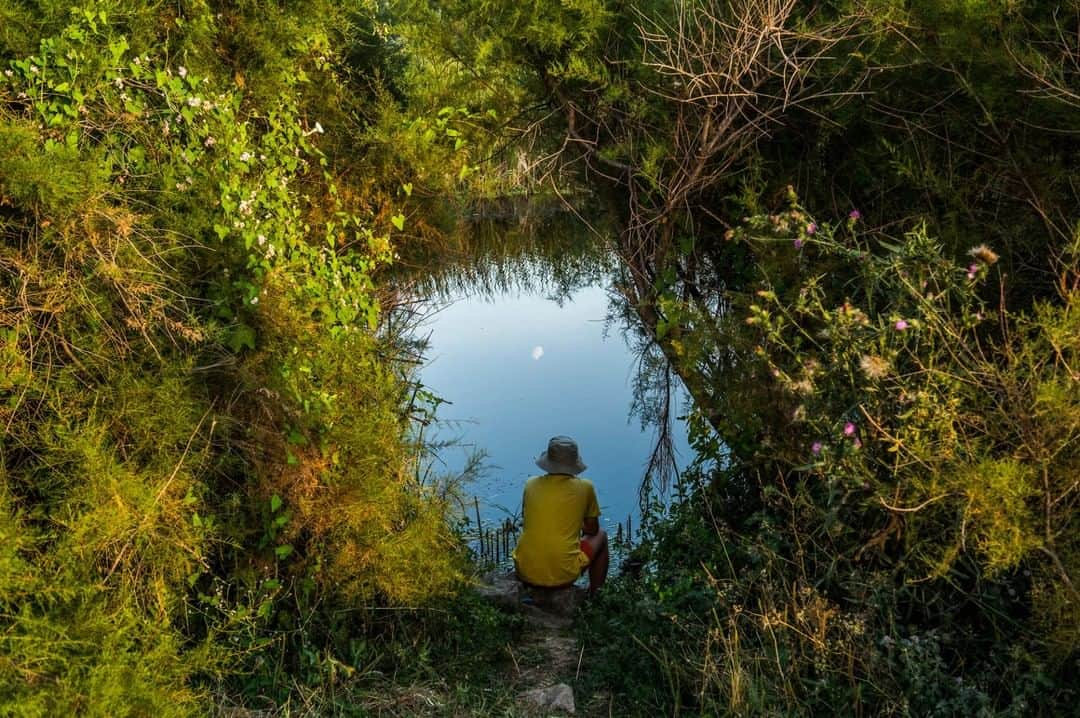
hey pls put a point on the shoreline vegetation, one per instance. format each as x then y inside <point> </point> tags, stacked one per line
<point>850,228</point>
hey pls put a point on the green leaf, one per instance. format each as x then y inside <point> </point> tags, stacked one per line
<point>275,503</point>
<point>398,220</point>
<point>242,336</point>
<point>283,551</point>
<point>407,187</point>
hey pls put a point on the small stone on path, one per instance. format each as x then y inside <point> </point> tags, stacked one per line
<point>559,697</point>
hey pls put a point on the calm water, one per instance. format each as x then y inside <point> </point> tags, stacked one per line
<point>519,367</point>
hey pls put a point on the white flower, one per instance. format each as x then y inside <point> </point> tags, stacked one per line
<point>874,366</point>
<point>33,69</point>
<point>245,156</point>
<point>119,82</point>
<point>8,73</point>
<point>318,128</point>
<point>193,102</point>
<point>254,300</point>
<point>182,71</point>
<point>210,141</point>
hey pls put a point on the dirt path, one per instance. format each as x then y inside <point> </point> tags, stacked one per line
<point>546,654</point>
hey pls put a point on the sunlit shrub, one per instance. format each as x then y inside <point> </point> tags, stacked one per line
<point>205,454</point>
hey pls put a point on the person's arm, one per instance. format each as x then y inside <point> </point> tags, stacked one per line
<point>590,526</point>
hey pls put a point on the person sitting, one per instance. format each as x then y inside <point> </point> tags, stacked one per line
<point>561,536</point>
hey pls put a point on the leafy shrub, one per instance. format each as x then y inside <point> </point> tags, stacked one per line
<point>206,455</point>
<point>896,530</point>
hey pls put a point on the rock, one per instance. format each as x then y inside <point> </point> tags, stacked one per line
<point>559,697</point>
<point>504,588</point>
<point>560,601</point>
<point>501,588</point>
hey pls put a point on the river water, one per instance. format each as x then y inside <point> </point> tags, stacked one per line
<point>538,351</point>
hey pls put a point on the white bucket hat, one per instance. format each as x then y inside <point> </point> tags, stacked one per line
<point>561,457</point>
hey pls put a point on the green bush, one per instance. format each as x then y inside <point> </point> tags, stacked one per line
<point>897,532</point>
<point>206,454</point>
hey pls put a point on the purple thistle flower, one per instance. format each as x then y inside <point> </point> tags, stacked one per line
<point>855,215</point>
<point>901,325</point>
<point>857,443</point>
<point>815,448</point>
<point>972,271</point>
<point>849,429</point>
<point>811,228</point>
<point>798,243</point>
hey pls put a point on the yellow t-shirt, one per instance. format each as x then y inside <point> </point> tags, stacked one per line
<point>553,509</point>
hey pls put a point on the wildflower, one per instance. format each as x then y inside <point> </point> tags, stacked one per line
<point>811,228</point>
<point>193,102</point>
<point>798,243</point>
<point>210,141</point>
<point>973,269</point>
<point>855,215</point>
<point>857,443</point>
<point>983,254</point>
<point>901,325</point>
<point>318,128</point>
<point>815,448</point>
<point>8,73</point>
<point>245,156</point>
<point>182,71</point>
<point>261,239</point>
<point>874,367</point>
<point>849,429</point>
<point>34,69</point>
<point>119,82</point>
<point>255,300</point>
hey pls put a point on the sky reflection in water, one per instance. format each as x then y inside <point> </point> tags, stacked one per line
<point>519,369</point>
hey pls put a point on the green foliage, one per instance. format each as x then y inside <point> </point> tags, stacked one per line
<point>205,457</point>
<point>895,453</point>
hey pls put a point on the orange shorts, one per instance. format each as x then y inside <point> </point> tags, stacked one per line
<point>587,549</point>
